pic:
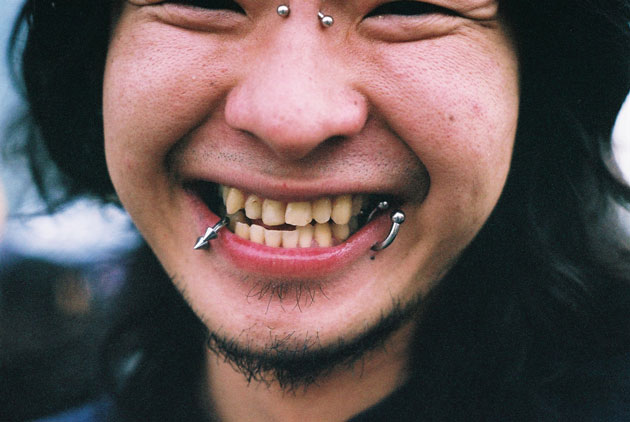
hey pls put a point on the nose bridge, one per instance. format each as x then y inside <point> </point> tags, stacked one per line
<point>294,95</point>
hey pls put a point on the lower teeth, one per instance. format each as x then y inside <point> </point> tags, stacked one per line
<point>310,235</point>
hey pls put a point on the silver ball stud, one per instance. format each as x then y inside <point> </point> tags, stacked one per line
<point>325,20</point>
<point>398,217</point>
<point>283,10</point>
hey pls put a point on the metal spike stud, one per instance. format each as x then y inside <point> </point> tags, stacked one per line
<point>203,242</point>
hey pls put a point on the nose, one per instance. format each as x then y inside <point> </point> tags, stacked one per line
<point>296,97</point>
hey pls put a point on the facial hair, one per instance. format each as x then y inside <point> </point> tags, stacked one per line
<point>293,363</point>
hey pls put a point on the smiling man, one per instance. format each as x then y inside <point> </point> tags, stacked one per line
<point>421,109</point>
<point>290,124</point>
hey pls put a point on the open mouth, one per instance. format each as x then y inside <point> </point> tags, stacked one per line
<point>322,222</point>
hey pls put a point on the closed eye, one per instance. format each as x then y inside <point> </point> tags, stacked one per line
<point>212,5</point>
<point>408,8</point>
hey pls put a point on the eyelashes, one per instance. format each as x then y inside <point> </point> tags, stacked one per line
<point>408,8</point>
<point>212,5</point>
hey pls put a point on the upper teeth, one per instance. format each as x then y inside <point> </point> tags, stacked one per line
<point>311,218</point>
<point>275,213</point>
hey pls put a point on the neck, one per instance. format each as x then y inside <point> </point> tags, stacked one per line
<point>338,396</point>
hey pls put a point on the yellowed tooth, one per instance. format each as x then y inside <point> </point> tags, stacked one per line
<point>305,236</point>
<point>341,231</point>
<point>235,201</point>
<point>253,207</point>
<point>341,209</point>
<point>323,235</point>
<point>257,234</point>
<point>298,213</point>
<point>242,230</point>
<point>321,210</point>
<point>357,204</point>
<point>237,217</point>
<point>273,238</point>
<point>224,192</point>
<point>290,238</point>
<point>273,212</point>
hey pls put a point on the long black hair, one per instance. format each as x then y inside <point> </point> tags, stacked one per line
<point>541,292</point>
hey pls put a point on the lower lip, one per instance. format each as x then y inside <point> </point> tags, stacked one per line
<point>291,262</point>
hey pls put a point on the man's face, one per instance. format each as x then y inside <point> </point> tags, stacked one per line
<point>418,108</point>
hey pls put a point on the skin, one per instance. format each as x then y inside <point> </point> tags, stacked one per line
<point>424,107</point>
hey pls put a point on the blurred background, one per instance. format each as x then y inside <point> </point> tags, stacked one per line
<point>59,272</point>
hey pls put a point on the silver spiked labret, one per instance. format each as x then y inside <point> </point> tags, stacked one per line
<point>203,242</point>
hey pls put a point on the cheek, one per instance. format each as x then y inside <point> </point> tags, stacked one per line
<point>455,104</point>
<point>155,91</point>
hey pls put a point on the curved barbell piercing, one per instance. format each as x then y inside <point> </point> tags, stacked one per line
<point>203,242</point>
<point>382,206</point>
<point>397,217</point>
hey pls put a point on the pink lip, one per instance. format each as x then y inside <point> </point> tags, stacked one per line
<point>289,262</point>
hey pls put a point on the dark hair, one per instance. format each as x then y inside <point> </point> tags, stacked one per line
<point>542,290</point>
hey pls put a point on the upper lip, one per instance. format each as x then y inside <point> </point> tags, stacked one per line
<point>304,190</point>
<point>264,175</point>
<point>295,195</point>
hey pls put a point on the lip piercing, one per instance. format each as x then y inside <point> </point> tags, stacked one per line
<point>398,217</point>
<point>382,206</point>
<point>283,10</point>
<point>325,20</point>
<point>203,242</point>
